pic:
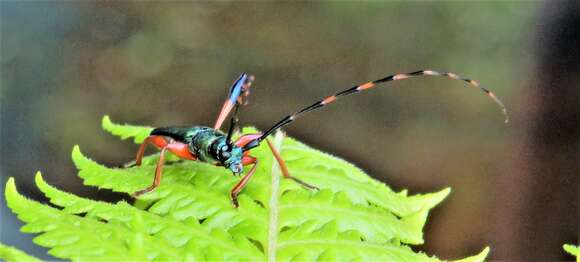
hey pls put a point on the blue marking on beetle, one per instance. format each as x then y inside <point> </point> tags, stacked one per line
<point>236,88</point>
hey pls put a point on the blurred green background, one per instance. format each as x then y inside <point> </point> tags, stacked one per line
<point>66,64</point>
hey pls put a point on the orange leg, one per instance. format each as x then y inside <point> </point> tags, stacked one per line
<point>238,95</point>
<point>247,138</point>
<point>180,150</point>
<point>247,160</point>
<point>177,148</point>
<point>226,108</point>
<point>158,141</point>
<point>284,169</point>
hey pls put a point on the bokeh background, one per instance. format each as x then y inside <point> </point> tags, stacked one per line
<point>67,63</point>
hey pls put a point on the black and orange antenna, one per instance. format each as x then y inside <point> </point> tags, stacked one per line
<point>368,85</point>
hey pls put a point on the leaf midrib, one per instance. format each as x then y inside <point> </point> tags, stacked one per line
<point>274,200</point>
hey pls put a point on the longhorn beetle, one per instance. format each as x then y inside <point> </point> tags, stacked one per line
<point>213,146</point>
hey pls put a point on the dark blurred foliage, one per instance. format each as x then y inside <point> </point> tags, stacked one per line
<point>66,64</point>
<point>542,188</point>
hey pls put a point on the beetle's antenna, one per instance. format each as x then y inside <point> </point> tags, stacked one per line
<point>368,85</point>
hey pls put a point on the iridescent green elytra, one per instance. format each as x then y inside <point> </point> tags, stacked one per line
<point>207,144</point>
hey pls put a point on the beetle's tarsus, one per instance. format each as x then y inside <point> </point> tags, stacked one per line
<point>142,192</point>
<point>304,184</point>
<point>235,201</point>
<point>129,165</point>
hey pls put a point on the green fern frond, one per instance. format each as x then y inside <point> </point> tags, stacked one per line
<point>11,254</point>
<point>190,216</point>
<point>573,250</point>
<point>138,133</point>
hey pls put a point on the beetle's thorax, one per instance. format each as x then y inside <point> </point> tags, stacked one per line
<point>207,144</point>
<point>202,142</point>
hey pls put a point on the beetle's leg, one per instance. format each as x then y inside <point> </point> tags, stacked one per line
<point>240,88</point>
<point>158,171</point>
<point>245,139</point>
<point>155,140</point>
<point>247,160</point>
<point>176,148</point>
<point>284,169</point>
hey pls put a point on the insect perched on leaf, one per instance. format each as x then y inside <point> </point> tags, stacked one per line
<point>213,146</point>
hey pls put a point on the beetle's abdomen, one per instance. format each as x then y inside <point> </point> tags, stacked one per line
<point>176,133</point>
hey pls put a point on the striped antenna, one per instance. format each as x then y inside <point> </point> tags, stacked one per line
<point>368,85</point>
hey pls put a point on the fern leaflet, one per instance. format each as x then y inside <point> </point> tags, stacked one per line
<point>190,216</point>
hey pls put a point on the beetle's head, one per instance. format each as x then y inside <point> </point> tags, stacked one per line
<point>230,156</point>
